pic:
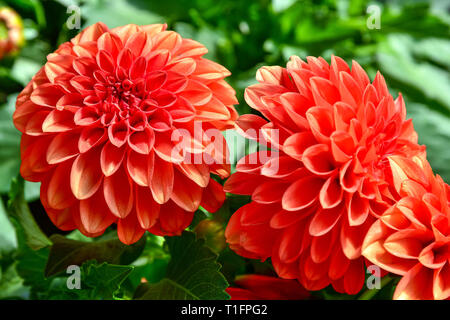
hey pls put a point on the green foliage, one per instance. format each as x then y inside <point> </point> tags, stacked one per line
<point>192,274</point>
<point>65,252</point>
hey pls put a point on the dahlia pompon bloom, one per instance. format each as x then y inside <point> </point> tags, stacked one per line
<point>331,133</point>
<point>412,238</point>
<point>98,122</point>
<point>259,287</point>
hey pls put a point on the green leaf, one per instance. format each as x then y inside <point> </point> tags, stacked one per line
<point>397,61</point>
<point>18,209</point>
<point>65,252</point>
<point>434,131</point>
<point>9,145</point>
<point>103,280</point>
<point>97,281</point>
<point>11,284</point>
<point>118,13</point>
<point>8,241</point>
<point>192,274</point>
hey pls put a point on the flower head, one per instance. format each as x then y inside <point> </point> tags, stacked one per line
<point>259,287</point>
<point>13,38</point>
<point>412,238</point>
<point>331,133</point>
<point>99,122</point>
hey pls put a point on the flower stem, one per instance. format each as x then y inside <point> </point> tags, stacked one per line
<point>370,293</point>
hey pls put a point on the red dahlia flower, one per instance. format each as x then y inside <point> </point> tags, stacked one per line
<point>98,122</point>
<point>331,132</point>
<point>412,238</point>
<point>259,287</point>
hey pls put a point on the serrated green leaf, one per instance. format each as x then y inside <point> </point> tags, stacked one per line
<point>192,274</point>
<point>65,252</point>
<point>104,280</point>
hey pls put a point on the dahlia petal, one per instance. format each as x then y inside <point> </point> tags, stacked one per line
<point>137,43</point>
<point>183,67</point>
<point>213,196</point>
<point>138,68</point>
<point>86,176</point>
<point>86,116</point>
<point>34,124</point>
<point>269,192</point>
<point>416,284</point>
<point>324,221</point>
<point>118,133</point>
<point>281,167</point>
<point>105,61</point>
<point>296,106</point>
<point>118,193</point>
<point>324,92</point>
<point>349,90</point>
<point>142,141</point>
<point>256,213</point>
<point>62,147</point>
<point>158,60</point>
<point>339,264</point>
<point>297,143</point>
<point>191,48</point>
<point>59,195</point>
<point>173,219</point>
<point>283,218</point>
<point>290,247</point>
<point>354,277</point>
<point>198,173</point>
<point>109,42</point>
<point>317,159</point>
<point>156,80</point>
<point>58,121</point>
<point>403,169</point>
<point>146,208</point>
<point>46,95</point>
<point>331,193</point>
<point>185,193</point>
<point>441,283</point>
<point>90,137</point>
<point>352,238</point>
<point>342,146</point>
<point>210,70</point>
<point>138,168</point>
<point>111,158</point>
<point>197,93</point>
<point>302,193</point>
<point>321,122</point>
<point>249,125</point>
<point>350,182</point>
<point>358,210</point>
<point>162,180</point>
<point>166,149</point>
<point>129,229</point>
<point>95,214</point>
<point>242,183</point>
<point>321,247</point>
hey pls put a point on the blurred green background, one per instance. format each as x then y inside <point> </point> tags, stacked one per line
<point>411,49</point>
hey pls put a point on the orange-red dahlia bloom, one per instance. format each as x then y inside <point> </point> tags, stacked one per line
<point>412,238</point>
<point>98,123</point>
<point>259,287</point>
<point>331,132</point>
